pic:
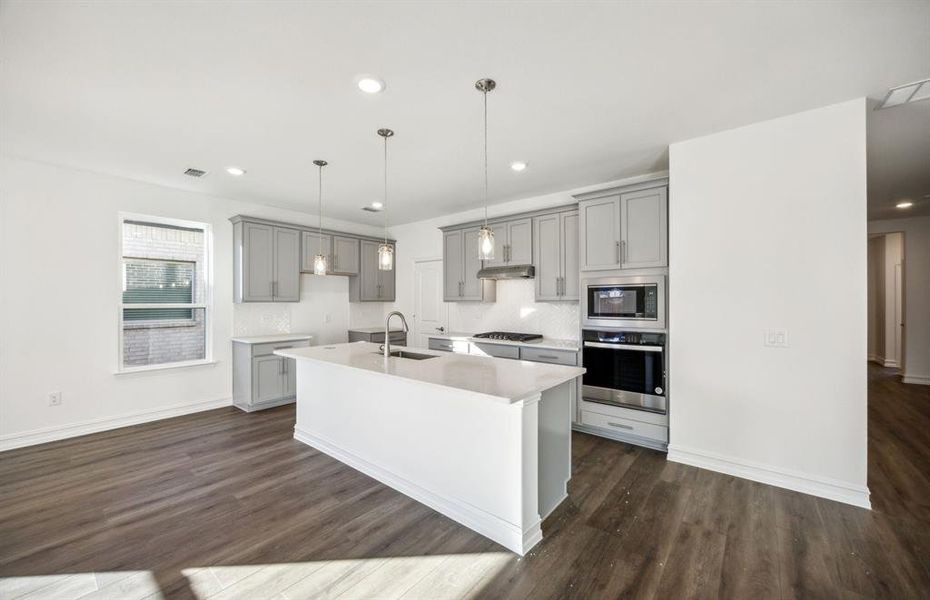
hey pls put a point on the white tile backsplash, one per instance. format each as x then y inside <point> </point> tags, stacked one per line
<point>517,310</point>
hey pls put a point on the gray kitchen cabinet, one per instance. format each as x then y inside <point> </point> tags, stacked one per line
<point>311,244</point>
<point>624,228</point>
<point>262,379</point>
<point>600,233</point>
<point>376,336</point>
<point>460,268</point>
<point>513,243</point>
<point>266,262</point>
<point>372,284</point>
<point>644,229</point>
<point>555,255</point>
<point>345,255</point>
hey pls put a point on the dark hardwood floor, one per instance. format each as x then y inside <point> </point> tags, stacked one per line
<point>224,504</point>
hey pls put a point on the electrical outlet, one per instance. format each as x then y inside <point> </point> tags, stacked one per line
<point>327,318</point>
<point>54,398</point>
<point>775,338</point>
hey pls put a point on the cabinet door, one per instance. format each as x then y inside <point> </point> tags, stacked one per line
<point>386,280</point>
<point>257,263</point>
<point>268,379</point>
<point>345,255</point>
<point>290,376</point>
<point>311,244</point>
<point>286,265</point>
<point>452,263</point>
<point>368,271</point>
<point>600,233</point>
<point>472,287</point>
<point>500,243</point>
<point>520,242</point>
<point>570,274</point>
<point>547,257</point>
<point>644,229</point>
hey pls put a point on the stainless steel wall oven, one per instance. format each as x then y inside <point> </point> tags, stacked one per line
<point>625,368</point>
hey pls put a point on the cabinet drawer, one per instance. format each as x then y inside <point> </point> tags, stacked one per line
<point>397,337</point>
<point>495,350</point>
<point>269,348</point>
<point>619,425</point>
<point>556,357</point>
<point>448,345</point>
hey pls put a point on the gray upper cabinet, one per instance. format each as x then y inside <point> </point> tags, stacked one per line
<point>460,268</point>
<point>555,255</point>
<point>345,255</point>
<point>513,243</point>
<point>311,244</point>
<point>266,263</point>
<point>372,284</point>
<point>644,229</point>
<point>624,228</point>
<point>600,239</point>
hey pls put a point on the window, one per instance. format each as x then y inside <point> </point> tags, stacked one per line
<point>165,315</point>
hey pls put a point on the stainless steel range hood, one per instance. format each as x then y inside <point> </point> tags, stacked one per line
<point>514,272</point>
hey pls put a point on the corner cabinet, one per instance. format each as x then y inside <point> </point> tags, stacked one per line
<point>266,263</point>
<point>555,254</point>
<point>372,284</point>
<point>624,228</point>
<point>460,268</point>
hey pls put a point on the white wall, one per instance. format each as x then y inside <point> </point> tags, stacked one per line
<point>916,232</point>
<point>58,315</point>
<point>515,308</point>
<point>768,230</point>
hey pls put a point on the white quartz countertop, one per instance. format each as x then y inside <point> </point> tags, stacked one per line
<point>270,339</point>
<point>547,343</point>
<point>501,379</point>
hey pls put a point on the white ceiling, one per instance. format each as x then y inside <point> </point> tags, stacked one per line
<point>588,92</point>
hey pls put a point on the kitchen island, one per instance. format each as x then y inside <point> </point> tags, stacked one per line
<point>484,441</point>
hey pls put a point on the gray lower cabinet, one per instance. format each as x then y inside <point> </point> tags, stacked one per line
<point>262,379</point>
<point>377,337</point>
<point>372,284</point>
<point>624,228</point>
<point>460,268</point>
<point>266,263</point>
<point>555,254</point>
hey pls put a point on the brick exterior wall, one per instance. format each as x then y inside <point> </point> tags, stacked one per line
<point>149,342</point>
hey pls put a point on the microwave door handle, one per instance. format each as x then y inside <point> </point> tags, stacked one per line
<point>624,347</point>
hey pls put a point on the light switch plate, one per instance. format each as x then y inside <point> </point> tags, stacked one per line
<point>775,338</point>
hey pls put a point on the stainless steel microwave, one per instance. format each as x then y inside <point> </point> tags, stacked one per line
<point>636,302</point>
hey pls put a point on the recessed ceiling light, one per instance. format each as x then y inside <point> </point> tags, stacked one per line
<point>370,84</point>
<point>904,204</point>
<point>235,171</point>
<point>518,165</point>
<point>377,204</point>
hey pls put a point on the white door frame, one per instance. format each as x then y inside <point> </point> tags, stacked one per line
<point>445,310</point>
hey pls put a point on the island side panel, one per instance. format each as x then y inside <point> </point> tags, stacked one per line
<point>555,446</point>
<point>457,452</point>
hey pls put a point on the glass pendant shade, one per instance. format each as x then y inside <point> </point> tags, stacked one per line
<point>319,265</point>
<point>385,257</point>
<point>486,243</point>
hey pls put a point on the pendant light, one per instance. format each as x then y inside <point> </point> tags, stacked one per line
<point>485,234</point>
<point>319,261</point>
<point>385,250</point>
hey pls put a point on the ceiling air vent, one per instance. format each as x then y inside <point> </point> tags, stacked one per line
<point>195,172</point>
<point>911,92</point>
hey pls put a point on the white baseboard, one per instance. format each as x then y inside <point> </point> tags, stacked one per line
<point>918,379</point>
<point>60,432</point>
<point>876,359</point>
<point>503,532</point>
<point>784,478</point>
<point>890,363</point>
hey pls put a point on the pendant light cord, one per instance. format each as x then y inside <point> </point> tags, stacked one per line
<point>385,190</point>
<point>321,212</point>
<point>485,158</point>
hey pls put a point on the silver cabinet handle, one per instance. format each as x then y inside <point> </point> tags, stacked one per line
<point>618,252</point>
<point>622,251</point>
<point>623,347</point>
<point>548,357</point>
<point>440,328</point>
<point>282,347</point>
<point>620,425</point>
<point>271,288</point>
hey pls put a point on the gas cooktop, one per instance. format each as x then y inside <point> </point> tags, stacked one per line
<point>509,336</point>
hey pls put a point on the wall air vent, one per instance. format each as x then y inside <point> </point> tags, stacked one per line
<point>911,92</point>
<point>195,172</point>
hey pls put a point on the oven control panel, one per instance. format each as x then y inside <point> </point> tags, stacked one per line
<point>639,338</point>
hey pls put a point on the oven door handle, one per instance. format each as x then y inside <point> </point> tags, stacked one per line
<point>624,347</point>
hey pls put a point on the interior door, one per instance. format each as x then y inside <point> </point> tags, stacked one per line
<point>431,314</point>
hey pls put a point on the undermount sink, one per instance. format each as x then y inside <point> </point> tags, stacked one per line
<point>410,355</point>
